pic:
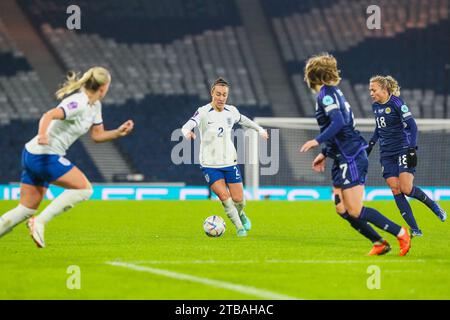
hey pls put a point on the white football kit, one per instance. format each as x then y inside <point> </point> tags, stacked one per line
<point>216,147</point>
<point>79,118</point>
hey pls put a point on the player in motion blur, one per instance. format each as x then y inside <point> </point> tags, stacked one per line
<point>396,130</point>
<point>344,144</point>
<point>218,158</point>
<point>43,159</point>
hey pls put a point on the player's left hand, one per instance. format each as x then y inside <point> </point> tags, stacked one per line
<point>309,145</point>
<point>126,128</point>
<point>411,158</point>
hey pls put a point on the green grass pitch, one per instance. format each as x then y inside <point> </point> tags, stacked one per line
<point>295,249</point>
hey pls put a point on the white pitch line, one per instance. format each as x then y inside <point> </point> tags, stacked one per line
<point>265,294</point>
<point>274,261</point>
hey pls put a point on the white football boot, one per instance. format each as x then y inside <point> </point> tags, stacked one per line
<point>36,232</point>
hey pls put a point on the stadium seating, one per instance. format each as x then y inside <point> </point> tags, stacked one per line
<point>23,99</point>
<point>159,76</point>
<point>412,31</point>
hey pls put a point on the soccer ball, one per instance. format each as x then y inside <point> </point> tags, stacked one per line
<point>214,226</point>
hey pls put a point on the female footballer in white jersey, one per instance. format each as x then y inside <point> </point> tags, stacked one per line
<point>218,158</point>
<point>43,159</point>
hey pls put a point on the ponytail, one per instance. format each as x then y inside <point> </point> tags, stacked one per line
<point>91,80</point>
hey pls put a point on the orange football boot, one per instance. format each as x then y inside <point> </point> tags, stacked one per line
<point>380,249</point>
<point>404,242</point>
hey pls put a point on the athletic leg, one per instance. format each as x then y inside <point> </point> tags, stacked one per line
<point>361,226</point>
<point>353,202</point>
<point>220,189</point>
<point>237,194</point>
<point>403,205</point>
<point>408,188</point>
<point>30,198</point>
<point>78,189</point>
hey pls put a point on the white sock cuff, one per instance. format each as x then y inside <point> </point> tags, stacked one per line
<point>83,194</point>
<point>27,211</point>
<point>228,203</point>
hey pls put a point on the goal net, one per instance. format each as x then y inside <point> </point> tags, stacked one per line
<point>294,169</point>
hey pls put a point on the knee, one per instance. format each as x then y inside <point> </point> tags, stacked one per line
<point>396,190</point>
<point>354,210</point>
<point>405,189</point>
<point>223,196</point>
<point>238,199</point>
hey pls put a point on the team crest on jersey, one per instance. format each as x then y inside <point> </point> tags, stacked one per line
<point>404,108</point>
<point>327,100</point>
<point>229,121</point>
<point>388,110</point>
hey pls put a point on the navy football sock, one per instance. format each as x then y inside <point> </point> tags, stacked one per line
<point>405,210</point>
<point>373,216</point>
<point>363,227</point>
<point>418,194</point>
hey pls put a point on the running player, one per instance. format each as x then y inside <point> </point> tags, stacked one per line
<point>43,159</point>
<point>218,158</point>
<point>346,147</point>
<point>397,132</point>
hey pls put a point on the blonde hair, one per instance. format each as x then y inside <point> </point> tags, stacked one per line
<point>387,83</point>
<point>322,69</point>
<point>91,80</point>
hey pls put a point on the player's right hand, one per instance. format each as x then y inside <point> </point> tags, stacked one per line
<point>43,140</point>
<point>318,164</point>
<point>190,135</point>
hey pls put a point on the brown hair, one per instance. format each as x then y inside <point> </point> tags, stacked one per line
<point>220,82</point>
<point>388,83</point>
<point>91,80</point>
<point>322,69</point>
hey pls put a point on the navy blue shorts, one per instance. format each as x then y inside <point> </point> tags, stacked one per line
<point>392,166</point>
<point>231,174</point>
<point>41,169</point>
<point>349,173</point>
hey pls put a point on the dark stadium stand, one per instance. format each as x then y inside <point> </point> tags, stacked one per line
<point>160,76</point>
<point>22,101</point>
<point>413,46</point>
<point>164,54</point>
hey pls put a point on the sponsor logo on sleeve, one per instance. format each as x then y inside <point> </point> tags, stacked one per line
<point>72,105</point>
<point>327,100</point>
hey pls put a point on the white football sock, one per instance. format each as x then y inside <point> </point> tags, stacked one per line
<point>13,217</point>
<point>240,206</point>
<point>65,201</point>
<point>232,213</point>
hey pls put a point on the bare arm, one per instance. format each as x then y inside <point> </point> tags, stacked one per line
<point>99,134</point>
<point>46,119</point>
